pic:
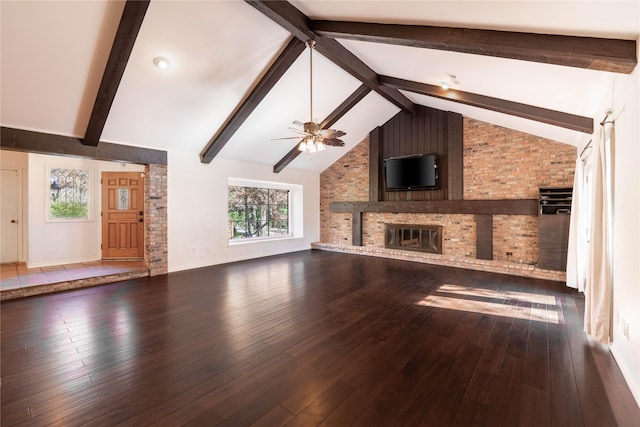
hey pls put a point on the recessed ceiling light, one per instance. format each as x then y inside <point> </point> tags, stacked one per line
<point>161,62</point>
<point>450,82</point>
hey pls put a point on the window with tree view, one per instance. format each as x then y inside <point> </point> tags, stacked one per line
<point>258,212</point>
<point>69,194</point>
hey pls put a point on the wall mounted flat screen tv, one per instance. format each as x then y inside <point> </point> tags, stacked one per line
<point>415,172</point>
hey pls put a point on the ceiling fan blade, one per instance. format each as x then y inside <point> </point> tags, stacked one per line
<point>290,137</point>
<point>331,133</point>
<point>335,133</point>
<point>298,123</point>
<point>334,142</point>
<point>301,132</point>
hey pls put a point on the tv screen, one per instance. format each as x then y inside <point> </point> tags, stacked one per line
<point>416,172</point>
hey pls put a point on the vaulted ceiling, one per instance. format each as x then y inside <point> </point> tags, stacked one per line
<point>239,73</point>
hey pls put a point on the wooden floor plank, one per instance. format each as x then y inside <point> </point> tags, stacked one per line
<point>565,404</point>
<point>504,400</point>
<point>276,417</point>
<point>534,407</point>
<point>309,338</point>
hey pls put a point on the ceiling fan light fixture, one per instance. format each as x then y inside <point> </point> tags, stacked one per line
<point>311,146</point>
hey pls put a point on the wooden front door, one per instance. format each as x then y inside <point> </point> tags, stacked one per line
<point>122,215</point>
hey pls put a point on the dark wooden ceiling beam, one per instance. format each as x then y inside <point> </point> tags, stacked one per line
<point>298,24</point>
<point>602,54</point>
<point>46,143</point>
<point>288,158</point>
<point>335,115</point>
<point>128,29</point>
<point>544,115</point>
<point>288,56</point>
<point>342,109</point>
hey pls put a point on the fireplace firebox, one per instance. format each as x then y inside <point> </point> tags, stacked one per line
<point>421,238</point>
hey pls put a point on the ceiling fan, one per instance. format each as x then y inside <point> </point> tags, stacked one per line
<point>312,137</point>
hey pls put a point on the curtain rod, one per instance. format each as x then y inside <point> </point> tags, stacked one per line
<point>604,121</point>
<point>607,113</point>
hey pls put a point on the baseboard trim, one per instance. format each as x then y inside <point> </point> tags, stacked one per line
<point>626,373</point>
<point>492,266</point>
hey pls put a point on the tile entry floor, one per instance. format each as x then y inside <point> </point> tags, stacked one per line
<point>17,275</point>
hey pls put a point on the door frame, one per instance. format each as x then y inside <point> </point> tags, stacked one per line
<point>20,201</point>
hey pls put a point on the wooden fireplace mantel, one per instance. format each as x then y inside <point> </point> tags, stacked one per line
<point>482,207</point>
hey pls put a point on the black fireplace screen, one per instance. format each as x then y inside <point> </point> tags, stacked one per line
<point>422,238</point>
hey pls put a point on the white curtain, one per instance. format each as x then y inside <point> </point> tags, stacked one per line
<point>578,246</point>
<point>598,289</point>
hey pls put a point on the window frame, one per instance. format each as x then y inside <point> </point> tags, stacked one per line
<point>294,200</point>
<point>90,193</point>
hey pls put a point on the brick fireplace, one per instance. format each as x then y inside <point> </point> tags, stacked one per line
<point>498,164</point>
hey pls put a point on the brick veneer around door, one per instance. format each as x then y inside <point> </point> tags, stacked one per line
<point>156,238</point>
<point>499,163</point>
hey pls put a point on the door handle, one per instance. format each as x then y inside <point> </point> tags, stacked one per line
<point>141,220</point>
<point>13,221</point>
<point>141,213</point>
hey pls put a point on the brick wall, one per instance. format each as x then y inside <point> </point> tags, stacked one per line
<point>156,237</point>
<point>499,163</point>
<point>345,180</point>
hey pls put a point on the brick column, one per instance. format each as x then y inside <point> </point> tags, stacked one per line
<point>155,235</point>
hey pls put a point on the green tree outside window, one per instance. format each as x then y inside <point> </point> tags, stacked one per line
<point>69,194</point>
<point>258,212</point>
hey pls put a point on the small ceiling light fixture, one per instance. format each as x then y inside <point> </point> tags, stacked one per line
<point>450,82</point>
<point>161,62</point>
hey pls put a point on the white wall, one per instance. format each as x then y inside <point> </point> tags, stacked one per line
<point>19,161</point>
<point>197,210</point>
<point>55,243</point>
<point>626,224</point>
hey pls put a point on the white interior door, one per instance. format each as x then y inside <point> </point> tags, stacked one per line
<point>9,220</point>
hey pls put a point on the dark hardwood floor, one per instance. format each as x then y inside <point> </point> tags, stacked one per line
<point>309,338</point>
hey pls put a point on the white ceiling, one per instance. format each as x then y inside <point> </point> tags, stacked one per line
<point>53,55</point>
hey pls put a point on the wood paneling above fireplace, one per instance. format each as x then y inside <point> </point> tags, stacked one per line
<point>427,131</point>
